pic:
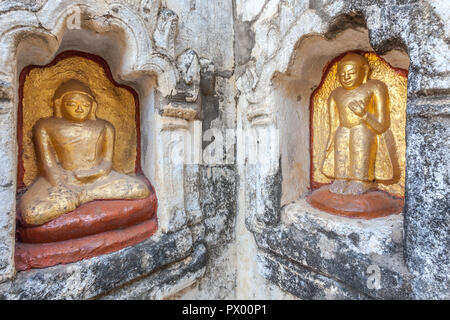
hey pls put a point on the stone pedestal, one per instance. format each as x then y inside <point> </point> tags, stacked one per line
<point>370,205</point>
<point>94,228</point>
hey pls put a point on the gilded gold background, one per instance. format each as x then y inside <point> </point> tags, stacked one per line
<point>396,84</point>
<point>115,105</point>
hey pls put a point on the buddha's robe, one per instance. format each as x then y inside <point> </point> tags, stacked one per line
<point>66,148</point>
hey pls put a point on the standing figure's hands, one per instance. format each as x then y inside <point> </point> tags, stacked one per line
<point>358,107</point>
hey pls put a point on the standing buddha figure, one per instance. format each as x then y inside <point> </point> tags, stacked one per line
<point>359,115</point>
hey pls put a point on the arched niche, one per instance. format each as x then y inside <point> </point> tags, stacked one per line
<point>292,97</point>
<point>318,243</point>
<point>116,33</point>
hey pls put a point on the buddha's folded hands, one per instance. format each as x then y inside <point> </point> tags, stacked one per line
<point>85,175</point>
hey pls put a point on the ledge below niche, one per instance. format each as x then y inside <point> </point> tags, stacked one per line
<point>99,276</point>
<point>350,252</point>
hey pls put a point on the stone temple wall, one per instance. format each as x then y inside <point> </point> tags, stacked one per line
<point>233,224</point>
<point>304,251</point>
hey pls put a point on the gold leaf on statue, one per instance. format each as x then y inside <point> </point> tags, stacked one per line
<point>115,104</point>
<point>394,139</point>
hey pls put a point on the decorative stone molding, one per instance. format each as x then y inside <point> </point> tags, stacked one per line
<point>207,76</point>
<point>166,31</point>
<point>179,110</point>
<point>266,65</point>
<point>259,115</point>
<point>189,67</point>
<point>170,172</point>
<point>177,183</point>
<point>184,101</point>
<point>92,278</point>
<point>51,22</point>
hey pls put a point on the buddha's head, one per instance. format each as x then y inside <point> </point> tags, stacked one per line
<point>74,101</point>
<point>353,70</point>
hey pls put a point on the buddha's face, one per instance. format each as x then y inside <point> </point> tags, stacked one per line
<point>351,75</point>
<point>76,106</point>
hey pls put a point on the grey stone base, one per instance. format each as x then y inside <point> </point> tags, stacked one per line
<point>101,275</point>
<point>165,282</point>
<point>301,282</point>
<point>366,256</point>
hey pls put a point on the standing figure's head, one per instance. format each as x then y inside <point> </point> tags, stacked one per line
<point>353,70</point>
<point>74,101</point>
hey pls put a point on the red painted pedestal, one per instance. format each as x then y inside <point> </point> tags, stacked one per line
<point>370,205</point>
<point>93,229</point>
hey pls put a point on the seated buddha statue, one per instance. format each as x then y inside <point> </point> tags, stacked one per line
<point>356,154</point>
<point>74,152</point>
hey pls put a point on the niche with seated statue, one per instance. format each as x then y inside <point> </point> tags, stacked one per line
<point>81,190</point>
<point>89,124</point>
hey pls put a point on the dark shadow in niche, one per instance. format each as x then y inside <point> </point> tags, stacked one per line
<point>344,22</point>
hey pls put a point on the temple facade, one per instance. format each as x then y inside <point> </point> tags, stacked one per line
<point>238,149</point>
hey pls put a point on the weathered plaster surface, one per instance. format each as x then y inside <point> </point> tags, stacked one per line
<point>163,284</point>
<point>341,249</point>
<point>428,208</point>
